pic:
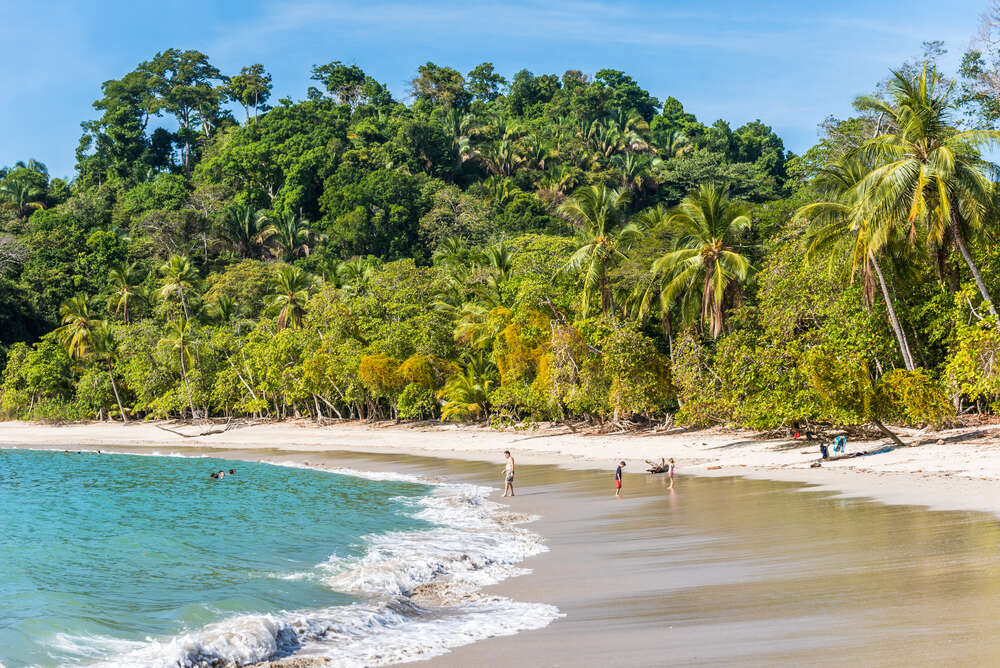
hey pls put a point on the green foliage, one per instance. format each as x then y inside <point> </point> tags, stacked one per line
<point>911,397</point>
<point>416,402</point>
<point>543,247</point>
<point>973,371</point>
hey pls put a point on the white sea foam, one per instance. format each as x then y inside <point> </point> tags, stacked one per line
<point>421,593</point>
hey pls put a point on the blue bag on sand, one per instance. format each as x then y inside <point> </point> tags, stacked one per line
<point>839,443</point>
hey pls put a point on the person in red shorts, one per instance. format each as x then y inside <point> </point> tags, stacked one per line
<point>618,479</point>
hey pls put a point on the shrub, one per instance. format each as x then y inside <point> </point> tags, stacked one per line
<point>416,403</point>
<point>911,397</point>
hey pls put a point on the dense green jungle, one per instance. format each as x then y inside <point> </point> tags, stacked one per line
<point>513,249</point>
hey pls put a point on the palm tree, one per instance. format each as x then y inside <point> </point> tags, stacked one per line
<point>126,289</point>
<point>927,172</point>
<point>224,309</point>
<point>292,236</point>
<point>602,235</point>
<point>248,229</point>
<point>85,336</point>
<point>291,287</point>
<point>499,259</point>
<point>78,325</point>
<point>178,280</point>
<point>634,171</point>
<point>649,288</point>
<point>356,273</point>
<point>105,350</point>
<point>702,264</point>
<point>674,143</point>
<point>459,126</point>
<point>178,338</point>
<point>22,193</point>
<point>466,394</point>
<point>843,224</point>
<point>501,158</point>
<point>499,190</point>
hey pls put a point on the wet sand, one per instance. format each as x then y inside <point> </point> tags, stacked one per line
<point>726,571</point>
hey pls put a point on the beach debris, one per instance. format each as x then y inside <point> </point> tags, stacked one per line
<point>229,424</point>
<point>714,468</point>
<point>662,467</point>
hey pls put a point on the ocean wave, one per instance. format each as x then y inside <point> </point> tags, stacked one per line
<point>421,589</point>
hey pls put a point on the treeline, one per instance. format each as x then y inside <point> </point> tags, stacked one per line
<point>544,248</point>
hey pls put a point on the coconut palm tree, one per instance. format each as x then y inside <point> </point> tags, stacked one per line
<point>634,171</point>
<point>23,194</point>
<point>602,236</point>
<point>292,236</point>
<point>927,173</point>
<point>501,158</point>
<point>78,325</point>
<point>459,126</point>
<point>844,224</point>
<point>466,394</point>
<point>452,251</point>
<point>179,339</point>
<point>355,274</point>
<point>178,280</point>
<point>703,264</point>
<point>291,292</point>
<point>105,351</point>
<point>125,288</point>
<point>247,230</point>
<point>86,337</point>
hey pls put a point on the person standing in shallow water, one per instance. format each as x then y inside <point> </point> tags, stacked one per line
<point>618,479</point>
<point>670,472</point>
<point>508,474</point>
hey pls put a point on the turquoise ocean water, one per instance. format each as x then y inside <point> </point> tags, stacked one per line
<point>146,560</point>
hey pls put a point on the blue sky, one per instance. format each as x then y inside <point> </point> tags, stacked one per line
<point>789,64</point>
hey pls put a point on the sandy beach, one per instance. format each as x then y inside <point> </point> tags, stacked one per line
<point>950,470</point>
<point>627,573</point>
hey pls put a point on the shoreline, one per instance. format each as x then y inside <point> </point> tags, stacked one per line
<point>953,470</point>
<point>589,535</point>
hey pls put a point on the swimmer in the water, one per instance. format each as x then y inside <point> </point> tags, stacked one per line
<point>232,471</point>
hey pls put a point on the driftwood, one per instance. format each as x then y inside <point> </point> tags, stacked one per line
<point>229,424</point>
<point>662,467</point>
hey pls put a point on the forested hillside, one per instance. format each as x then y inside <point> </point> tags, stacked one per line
<point>547,247</point>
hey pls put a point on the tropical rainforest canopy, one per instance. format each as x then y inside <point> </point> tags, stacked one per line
<point>532,248</point>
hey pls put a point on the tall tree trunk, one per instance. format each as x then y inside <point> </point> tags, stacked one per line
<point>187,387</point>
<point>607,299</point>
<point>114,387</point>
<point>904,346</point>
<point>668,332</point>
<point>960,242</point>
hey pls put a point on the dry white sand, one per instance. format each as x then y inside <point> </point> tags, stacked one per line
<point>951,470</point>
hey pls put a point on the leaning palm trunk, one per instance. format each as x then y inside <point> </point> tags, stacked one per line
<point>114,386</point>
<point>187,387</point>
<point>960,242</point>
<point>885,430</point>
<point>904,346</point>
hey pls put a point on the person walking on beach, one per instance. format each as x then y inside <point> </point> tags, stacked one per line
<point>508,474</point>
<point>618,479</point>
<point>670,472</point>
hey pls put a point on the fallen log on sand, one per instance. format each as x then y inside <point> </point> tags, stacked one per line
<point>662,467</point>
<point>229,424</point>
